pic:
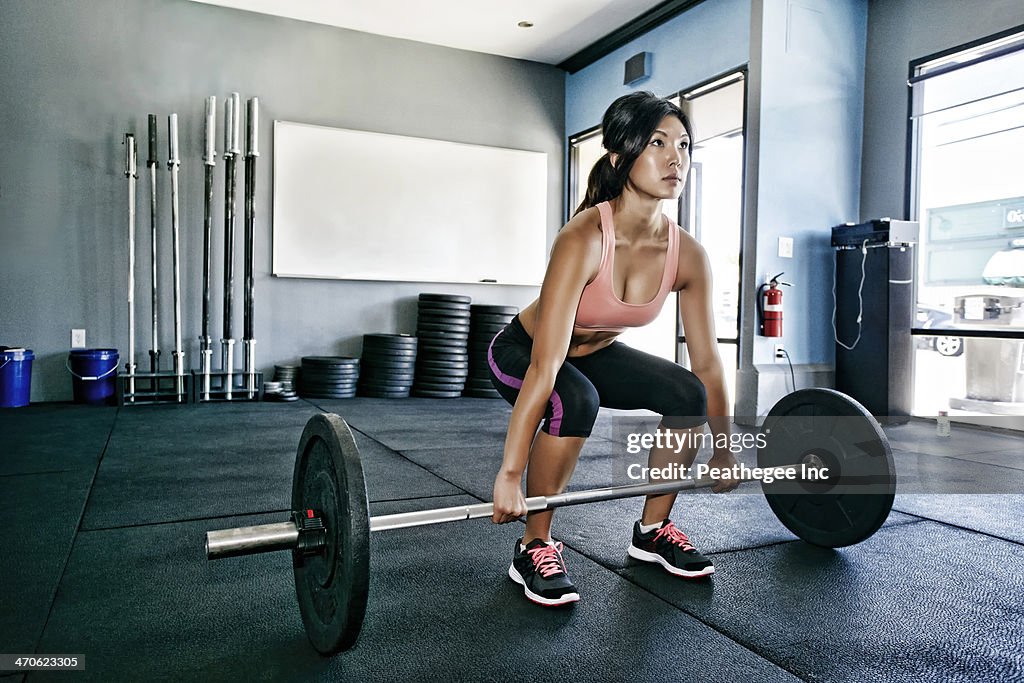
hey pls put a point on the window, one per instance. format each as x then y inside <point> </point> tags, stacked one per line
<point>967,193</point>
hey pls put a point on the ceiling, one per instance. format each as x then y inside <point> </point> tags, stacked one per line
<point>561,28</point>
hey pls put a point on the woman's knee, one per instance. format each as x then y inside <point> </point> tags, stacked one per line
<point>573,412</point>
<point>686,403</point>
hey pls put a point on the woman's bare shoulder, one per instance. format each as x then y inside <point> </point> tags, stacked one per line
<point>693,260</point>
<point>583,231</point>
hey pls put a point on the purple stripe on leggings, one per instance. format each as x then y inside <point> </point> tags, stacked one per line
<point>555,423</point>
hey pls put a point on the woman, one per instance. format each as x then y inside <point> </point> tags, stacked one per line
<point>612,266</point>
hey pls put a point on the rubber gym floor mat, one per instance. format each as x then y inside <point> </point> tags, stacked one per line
<point>40,514</point>
<point>919,436</point>
<point>53,437</point>
<point>995,515</point>
<point>715,524</point>
<point>440,606</point>
<point>185,466</point>
<point>932,474</point>
<point>473,468</point>
<point>1013,457</point>
<point>917,602</point>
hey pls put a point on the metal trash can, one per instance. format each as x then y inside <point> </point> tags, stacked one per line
<point>994,367</point>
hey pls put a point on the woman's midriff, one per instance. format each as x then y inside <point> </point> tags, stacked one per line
<point>583,341</point>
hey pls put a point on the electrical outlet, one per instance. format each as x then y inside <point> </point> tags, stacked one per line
<point>780,352</point>
<point>785,247</point>
<point>78,339</point>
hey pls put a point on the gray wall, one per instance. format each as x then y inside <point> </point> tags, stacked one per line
<point>897,33</point>
<point>77,75</point>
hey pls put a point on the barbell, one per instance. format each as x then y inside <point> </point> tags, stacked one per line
<point>329,528</point>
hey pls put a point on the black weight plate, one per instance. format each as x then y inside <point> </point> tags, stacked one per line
<point>491,319</point>
<point>328,395</point>
<point>451,313</point>
<point>481,393</point>
<point>328,384</point>
<point>389,339</point>
<point>387,375</point>
<point>393,368</point>
<point>479,384</point>
<point>443,318</point>
<point>327,389</point>
<point>857,496</point>
<point>439,386</point>
<point>434,335</point>
<point>422,327</point>
<point>332,587</point>
<point>442,374</point>
<point>450,357</point>
<point>320,361</point>
<point>374,393</point>
<point>435,353</point>
<point>497,310</point>
<point>386,384</point>
<point>331,385</point>
<point>446,298</point>
<point>424,393</point>
<point>441,365</point>
<point>443,346</point>
<point>390,367</point>
<point>326,371</point>
<point>371,355</point>
<point>446,312</point>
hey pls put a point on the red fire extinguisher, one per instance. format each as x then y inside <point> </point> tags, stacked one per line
<point>769,306</point>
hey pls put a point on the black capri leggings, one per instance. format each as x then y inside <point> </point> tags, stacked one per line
<point>614,377</point>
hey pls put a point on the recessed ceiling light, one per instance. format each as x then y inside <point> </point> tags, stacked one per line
<point>525,24</point>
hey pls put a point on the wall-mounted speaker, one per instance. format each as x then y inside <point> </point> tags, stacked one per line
<point>638,67</point>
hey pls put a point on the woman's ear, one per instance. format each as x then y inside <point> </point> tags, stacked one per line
<point>613,159</point>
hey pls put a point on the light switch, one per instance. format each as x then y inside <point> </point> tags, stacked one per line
<point>785,247</point>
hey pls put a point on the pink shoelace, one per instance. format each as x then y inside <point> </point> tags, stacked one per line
<point>546,559</point>
<point>671,532</point>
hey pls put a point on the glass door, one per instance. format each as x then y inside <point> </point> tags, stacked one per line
<point>714,203</point>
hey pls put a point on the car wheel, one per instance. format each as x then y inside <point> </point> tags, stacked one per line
<point>949,346</point>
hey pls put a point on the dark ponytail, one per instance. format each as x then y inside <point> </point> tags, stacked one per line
<point>604,182</point>
<point>627,127</point>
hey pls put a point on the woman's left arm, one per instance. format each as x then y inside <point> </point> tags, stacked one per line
<point>698,316</point>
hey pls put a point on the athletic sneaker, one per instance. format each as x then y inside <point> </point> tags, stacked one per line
<point>540,570</point>
<point>669,547</point>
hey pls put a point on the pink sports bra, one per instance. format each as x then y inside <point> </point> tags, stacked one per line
<point>600,308</point>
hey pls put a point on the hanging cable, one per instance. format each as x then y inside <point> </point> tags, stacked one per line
<point>860,298</point>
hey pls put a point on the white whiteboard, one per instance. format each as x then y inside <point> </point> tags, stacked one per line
<point>368,206</point>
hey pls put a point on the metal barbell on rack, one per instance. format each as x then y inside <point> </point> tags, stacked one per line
<point>330,525</point>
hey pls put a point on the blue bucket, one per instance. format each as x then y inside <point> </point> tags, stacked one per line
<point>15,376</point>
<point>94,373</point>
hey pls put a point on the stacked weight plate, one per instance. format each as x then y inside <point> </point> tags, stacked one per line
<point>329,377</point>
<point>282,388</point>
<point>442,326</point>
<point>485,322</point>
<point>389,362</point>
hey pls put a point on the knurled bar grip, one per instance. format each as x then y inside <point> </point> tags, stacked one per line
<point>284,535</point>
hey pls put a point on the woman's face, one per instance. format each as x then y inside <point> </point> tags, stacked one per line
<point>661,169</point>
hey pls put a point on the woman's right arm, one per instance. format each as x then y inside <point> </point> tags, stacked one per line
<point>575,257</point>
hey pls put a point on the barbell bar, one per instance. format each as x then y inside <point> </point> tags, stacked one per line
<point>264,538</point>
<point>330,525</point>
